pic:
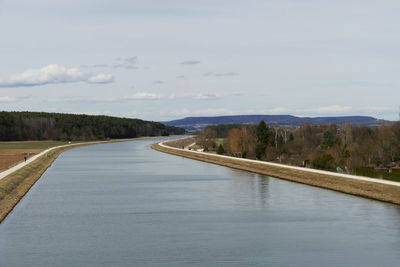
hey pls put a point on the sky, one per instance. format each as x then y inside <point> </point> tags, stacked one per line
<point>169,59</point>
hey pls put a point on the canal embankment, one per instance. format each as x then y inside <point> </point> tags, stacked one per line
<point>382,190</point>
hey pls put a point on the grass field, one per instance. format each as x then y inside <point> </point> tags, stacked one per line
<point>219,141</point>
<point>12,153</point>
<point>31,144</point>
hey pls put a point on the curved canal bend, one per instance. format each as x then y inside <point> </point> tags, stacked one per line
<point>124,204</point>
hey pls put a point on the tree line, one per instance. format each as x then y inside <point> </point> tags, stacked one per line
<point>20,126</point>
<point>331,147</point>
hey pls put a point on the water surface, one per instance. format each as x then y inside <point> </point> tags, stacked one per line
<point>124,204</point>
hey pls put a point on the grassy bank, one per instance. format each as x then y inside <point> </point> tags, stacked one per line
<point>382,192</point>
<point>181,143</point>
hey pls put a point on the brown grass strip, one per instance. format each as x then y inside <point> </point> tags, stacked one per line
<point>382,192</point>
<point>180,143</point>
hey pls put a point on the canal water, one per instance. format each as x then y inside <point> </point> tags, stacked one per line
<point>124,204</point>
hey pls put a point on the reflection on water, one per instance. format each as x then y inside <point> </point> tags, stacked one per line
<point>124,204</point>
<point>250,193</point>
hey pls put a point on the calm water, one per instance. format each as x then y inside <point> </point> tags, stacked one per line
<point>124,204</point>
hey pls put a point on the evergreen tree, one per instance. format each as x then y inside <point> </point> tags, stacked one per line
<point>220,149</point>
<point>263,136</point>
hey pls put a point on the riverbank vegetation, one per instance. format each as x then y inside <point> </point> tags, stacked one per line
<point>342,148</point>
<point>20,126</point>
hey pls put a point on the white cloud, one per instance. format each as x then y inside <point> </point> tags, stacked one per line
<point>53,74</point>
<point>101,78</point>
<point>206,96</point>
<point>6,99</point>
<point>143,96</point>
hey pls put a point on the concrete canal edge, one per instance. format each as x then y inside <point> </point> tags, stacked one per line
<point>368,189</point>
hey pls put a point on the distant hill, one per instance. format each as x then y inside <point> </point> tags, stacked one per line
<point>199,123</point>
<point>19,126</point>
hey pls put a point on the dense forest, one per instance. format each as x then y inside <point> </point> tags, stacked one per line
<point>344,148</point>
<point>19,126</point>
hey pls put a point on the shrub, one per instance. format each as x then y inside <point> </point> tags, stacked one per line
<point>324,162</point>
<point>220,149</point>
